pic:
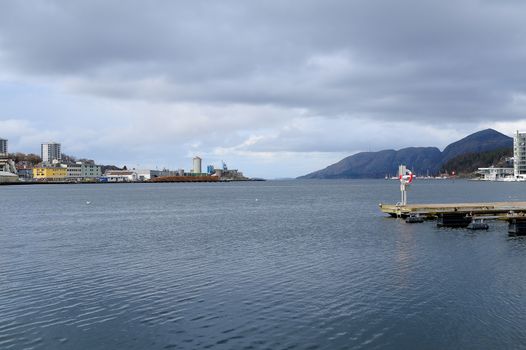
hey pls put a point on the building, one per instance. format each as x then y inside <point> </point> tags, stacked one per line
<point>25,173</point>
<point>3,148</point>
<point>146,175</point>
<point>50,173</point>
<point>8,177</point>
<point>197,167</point>
<point>496,174</point>
<point>168,172</point>
<point>50,152</point>
<point>229,174</point>
<point>519,154</point>
<point>120,176</point>
<point>84,171</point>
<point>7,165</point>
<point>8,171</point>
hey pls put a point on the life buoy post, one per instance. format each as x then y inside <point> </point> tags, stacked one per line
<point>406,178</point>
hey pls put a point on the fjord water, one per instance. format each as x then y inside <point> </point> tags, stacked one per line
<point>265,265</point>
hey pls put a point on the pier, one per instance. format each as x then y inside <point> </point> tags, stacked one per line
<point>470,215</point>
<point>463,214</point>
<point>432,211</point>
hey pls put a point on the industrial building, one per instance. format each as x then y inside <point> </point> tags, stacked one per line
<point>197,165</point>
<point>229,174</point>
<point>146,174</point>
<point>50,152</point>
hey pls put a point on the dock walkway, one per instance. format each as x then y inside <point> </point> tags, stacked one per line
<point>433,210</point>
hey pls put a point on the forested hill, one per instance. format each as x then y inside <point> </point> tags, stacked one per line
<point>466,164</point>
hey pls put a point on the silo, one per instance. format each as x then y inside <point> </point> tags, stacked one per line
<point>197,166</point>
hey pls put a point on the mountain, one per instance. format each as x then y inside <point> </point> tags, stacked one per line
<point>379,164</point>
<point>482,141</point>
<point>421,160</point>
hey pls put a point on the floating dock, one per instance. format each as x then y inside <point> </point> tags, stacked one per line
<point>456,214</point>
<point>432,211</point>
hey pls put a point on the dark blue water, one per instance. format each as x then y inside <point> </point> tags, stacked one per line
<point>273,265</point>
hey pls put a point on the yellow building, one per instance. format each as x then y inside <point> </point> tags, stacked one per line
<point>52,174</point>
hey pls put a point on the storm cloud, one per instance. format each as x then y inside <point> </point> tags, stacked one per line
<point>263,83</point>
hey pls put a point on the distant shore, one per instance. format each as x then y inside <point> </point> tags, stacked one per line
<point>25,183</point>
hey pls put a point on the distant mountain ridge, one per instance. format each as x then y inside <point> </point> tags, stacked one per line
<point>421,160</point>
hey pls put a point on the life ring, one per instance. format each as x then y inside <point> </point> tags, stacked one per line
<point>407,177</point>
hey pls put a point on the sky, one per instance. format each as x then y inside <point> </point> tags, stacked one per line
<point>274,88</point>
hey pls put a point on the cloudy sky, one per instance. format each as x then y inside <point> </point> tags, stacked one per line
<point>274,88</point>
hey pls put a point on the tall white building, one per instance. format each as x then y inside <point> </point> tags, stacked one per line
<point>197,167</point>
<point>3,148</point>
<point>50,151</point>
<point>519,154</point>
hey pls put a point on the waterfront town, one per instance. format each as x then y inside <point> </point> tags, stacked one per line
<point>52,166</point>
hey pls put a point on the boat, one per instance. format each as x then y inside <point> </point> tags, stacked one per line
<point>478,224</point>
<point>414,219</point>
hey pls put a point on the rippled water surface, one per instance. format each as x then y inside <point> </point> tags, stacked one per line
<point>271,265</point>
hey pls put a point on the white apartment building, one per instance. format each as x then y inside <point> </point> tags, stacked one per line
<point>3,148</point>
<point>50,151</point>
<point>519,154</point>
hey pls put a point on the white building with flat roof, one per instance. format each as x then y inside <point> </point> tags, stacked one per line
<point>519,154</point>
<point>120,176</point>
<point>3,147</point>
<point>496,174</point>
<point>50,151</point>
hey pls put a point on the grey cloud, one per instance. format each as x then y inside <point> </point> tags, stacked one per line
<point>409,60</point>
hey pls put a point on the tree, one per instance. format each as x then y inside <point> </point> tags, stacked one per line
<point>29,159</point>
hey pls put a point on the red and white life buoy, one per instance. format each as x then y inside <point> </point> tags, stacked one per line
<point>407,177</point>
